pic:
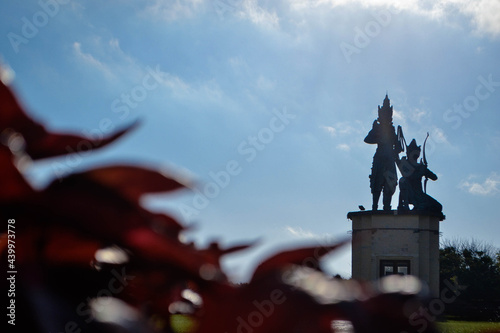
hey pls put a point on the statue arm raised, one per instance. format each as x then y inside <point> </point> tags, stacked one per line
<point>373,135</point>
<point>429,174</point>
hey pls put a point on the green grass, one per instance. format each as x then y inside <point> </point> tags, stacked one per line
<point>182,323</point>
<point>468,327</point>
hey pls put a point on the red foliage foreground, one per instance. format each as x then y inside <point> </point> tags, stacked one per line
<point>89,258</point>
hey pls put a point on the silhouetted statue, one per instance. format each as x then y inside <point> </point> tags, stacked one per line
<point>383,178</point>
<point>410,185</point>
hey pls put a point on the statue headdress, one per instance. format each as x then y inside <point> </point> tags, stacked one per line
<point>385,112</point>
<point>413,149</point>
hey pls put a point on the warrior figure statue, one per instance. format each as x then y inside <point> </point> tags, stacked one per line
<point>410,185</point>
<point>383,178</point>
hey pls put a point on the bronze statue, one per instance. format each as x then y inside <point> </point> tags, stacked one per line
<point>410,185</point>
<point>383,178</point>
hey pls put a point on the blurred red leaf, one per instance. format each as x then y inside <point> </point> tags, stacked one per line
<point>132,181</point>
<point>105,201</point>
<point>159,250</point>
<point>166,225</point>
<point>65,246</point>
<point>215,252</point>
<point>306,256</point>
<point>41,143</point>
<point>266,305</point>
<point>12,184</point>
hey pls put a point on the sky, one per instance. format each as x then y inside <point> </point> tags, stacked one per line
<point>265,105</point>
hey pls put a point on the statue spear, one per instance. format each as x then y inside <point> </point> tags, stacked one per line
<point>424,161</point>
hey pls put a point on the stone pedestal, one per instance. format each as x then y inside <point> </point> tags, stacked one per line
<point>385,243</point>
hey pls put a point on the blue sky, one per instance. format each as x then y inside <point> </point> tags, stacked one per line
<point>266,104</point>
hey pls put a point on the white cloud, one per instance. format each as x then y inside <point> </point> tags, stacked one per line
<point>417,114</point>
<point>178,87</point>
<point>343,128</point>
<point>204,91</point>
<point>108,58</point>
<point>343,146</point>
<point>490,186</point>
<point>251,10</point>
<point>300,233</point>
<point>90,60</point>
<point>399,117</point>
<point>263,83</point>
<point>483,15</point>
<point>330,130</point>
<point>118,67</point>
<point>345,131</point>
<point>173,9</point>
<point>439,136</point>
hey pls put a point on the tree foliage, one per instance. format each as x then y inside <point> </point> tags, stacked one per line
<point>476,267</point>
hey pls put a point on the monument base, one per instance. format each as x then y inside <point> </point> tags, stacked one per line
<point>388,242</point>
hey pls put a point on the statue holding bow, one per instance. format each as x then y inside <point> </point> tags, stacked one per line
<point>410,184</point>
